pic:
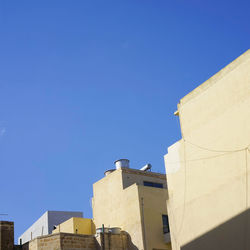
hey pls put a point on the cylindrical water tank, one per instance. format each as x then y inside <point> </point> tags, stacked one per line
<point>115,230</point>
<point>146,167</point>
<point>102,230</point>
<point>122,163</point>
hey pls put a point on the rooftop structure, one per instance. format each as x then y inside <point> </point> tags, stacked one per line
<point>135,201</point>
<point>45,224</point>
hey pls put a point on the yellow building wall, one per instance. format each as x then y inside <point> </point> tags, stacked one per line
<point>76,225</point>
<point>83,226</point>
<point>65,227</point>
<point>208,170</point>
<point>114,206</point>
<point>152,209</point>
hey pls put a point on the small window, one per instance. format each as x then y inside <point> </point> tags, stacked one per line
<point>165,224</point>
<point>153,184</point>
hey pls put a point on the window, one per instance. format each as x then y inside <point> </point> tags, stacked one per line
<point>153,184</point>
<point>165,224</point>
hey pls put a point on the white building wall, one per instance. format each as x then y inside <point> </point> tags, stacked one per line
<point>44,225</point>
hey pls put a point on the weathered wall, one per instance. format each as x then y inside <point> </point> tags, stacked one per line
<point>208,170</point>
<point>61,241</point>
<point>6,235</point>
<point>65,241</point>
<point>113,241</point>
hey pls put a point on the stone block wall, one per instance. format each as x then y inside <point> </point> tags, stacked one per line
<point>66,241</point>
<point>110,241</point>
<point>6,235</point>
<point>74,241</point>
<point>62,241</point>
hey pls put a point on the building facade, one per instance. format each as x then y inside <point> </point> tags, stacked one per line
<point>208,169</point>
<point>45,224</point>
<point>135,201</point>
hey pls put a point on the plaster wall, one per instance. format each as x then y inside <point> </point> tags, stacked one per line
<point>76,226</point>
<point>152,208</point>
<point>84,226</point>
<point>116,206</point>
<point>65,227</point>
<point>208,170</point>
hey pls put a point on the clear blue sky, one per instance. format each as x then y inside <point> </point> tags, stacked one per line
<point>85,82</point>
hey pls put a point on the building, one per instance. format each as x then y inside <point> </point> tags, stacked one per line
<point>45,224</point>
<point>6,235</point>
<point>114,240</point>
<point>135,201</point>
<point>208,169</point>
<point>76,225</point>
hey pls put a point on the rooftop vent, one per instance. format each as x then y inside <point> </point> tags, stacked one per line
<point>122,163</point>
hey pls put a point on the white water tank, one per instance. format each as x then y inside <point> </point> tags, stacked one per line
<point>146,167</point>
<point>122,163</point>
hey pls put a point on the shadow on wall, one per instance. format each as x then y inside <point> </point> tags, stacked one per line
<point>131,246</point>
<point>231,235</point>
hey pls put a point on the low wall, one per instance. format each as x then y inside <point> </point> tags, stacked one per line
<point>66,241</point>
<point>113,241</point>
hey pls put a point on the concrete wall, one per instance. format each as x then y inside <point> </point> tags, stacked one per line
<point>76,225</point>
<point>116,206</point>
<point>44,225</point>
<point>208,170</point>
<point>6,235</point>
<point>152,209</point>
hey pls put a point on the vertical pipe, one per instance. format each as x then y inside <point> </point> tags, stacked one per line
<point>143,225</point>
<point>103,238</point>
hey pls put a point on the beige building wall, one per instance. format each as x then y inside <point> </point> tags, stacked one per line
<point>65,227</point>
<point>121,200</point>
<point>76,225</point>
<point>208,170</point>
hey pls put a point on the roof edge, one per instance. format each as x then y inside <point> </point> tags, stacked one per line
<point>216,77</point>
